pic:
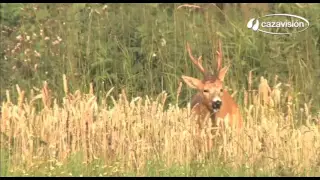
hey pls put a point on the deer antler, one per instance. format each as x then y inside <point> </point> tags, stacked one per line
<point>219,56</point>
<point>197,62</point>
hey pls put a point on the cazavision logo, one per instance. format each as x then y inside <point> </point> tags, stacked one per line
<point>270,26</point>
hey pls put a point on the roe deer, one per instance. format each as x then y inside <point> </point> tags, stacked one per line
<point>212,99</point>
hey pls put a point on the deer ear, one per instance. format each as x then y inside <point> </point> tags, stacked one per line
<point>192,82</point>
<point>223,72</point>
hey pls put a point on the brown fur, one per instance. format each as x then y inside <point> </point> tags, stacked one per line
<point>202,106</point>
<point>211,89</point>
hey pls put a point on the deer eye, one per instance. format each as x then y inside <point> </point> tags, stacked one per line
<point>206,90</point>
<point>221,90</point>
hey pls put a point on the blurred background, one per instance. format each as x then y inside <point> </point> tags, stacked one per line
<point>141,48</point>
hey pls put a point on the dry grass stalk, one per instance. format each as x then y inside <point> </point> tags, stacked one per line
<point>178,92</point>
<point>46,95</point>
<point>91,89</point>
<point>65,84</point>
<point>188,5</point>
<point>133,132</point>
<point>264,92</point>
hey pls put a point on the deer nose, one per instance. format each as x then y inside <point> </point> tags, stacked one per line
<point>216,104</point>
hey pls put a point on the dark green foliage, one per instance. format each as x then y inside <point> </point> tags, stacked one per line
<point>141,47</point>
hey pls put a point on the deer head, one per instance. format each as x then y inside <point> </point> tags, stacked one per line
<point>211,87</point>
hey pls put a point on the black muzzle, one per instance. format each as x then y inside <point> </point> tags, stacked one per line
<point>216,105</point>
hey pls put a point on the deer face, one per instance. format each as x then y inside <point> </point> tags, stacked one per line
<point>213,92</point>
<point>211,89</point>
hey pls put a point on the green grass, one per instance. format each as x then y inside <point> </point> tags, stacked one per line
<point>113,46</point>
<point>74,166</point>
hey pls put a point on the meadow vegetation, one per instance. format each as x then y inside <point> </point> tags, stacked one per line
<point>96,90</point>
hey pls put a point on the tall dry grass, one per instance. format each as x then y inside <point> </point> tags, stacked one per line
<point>130,133</point>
